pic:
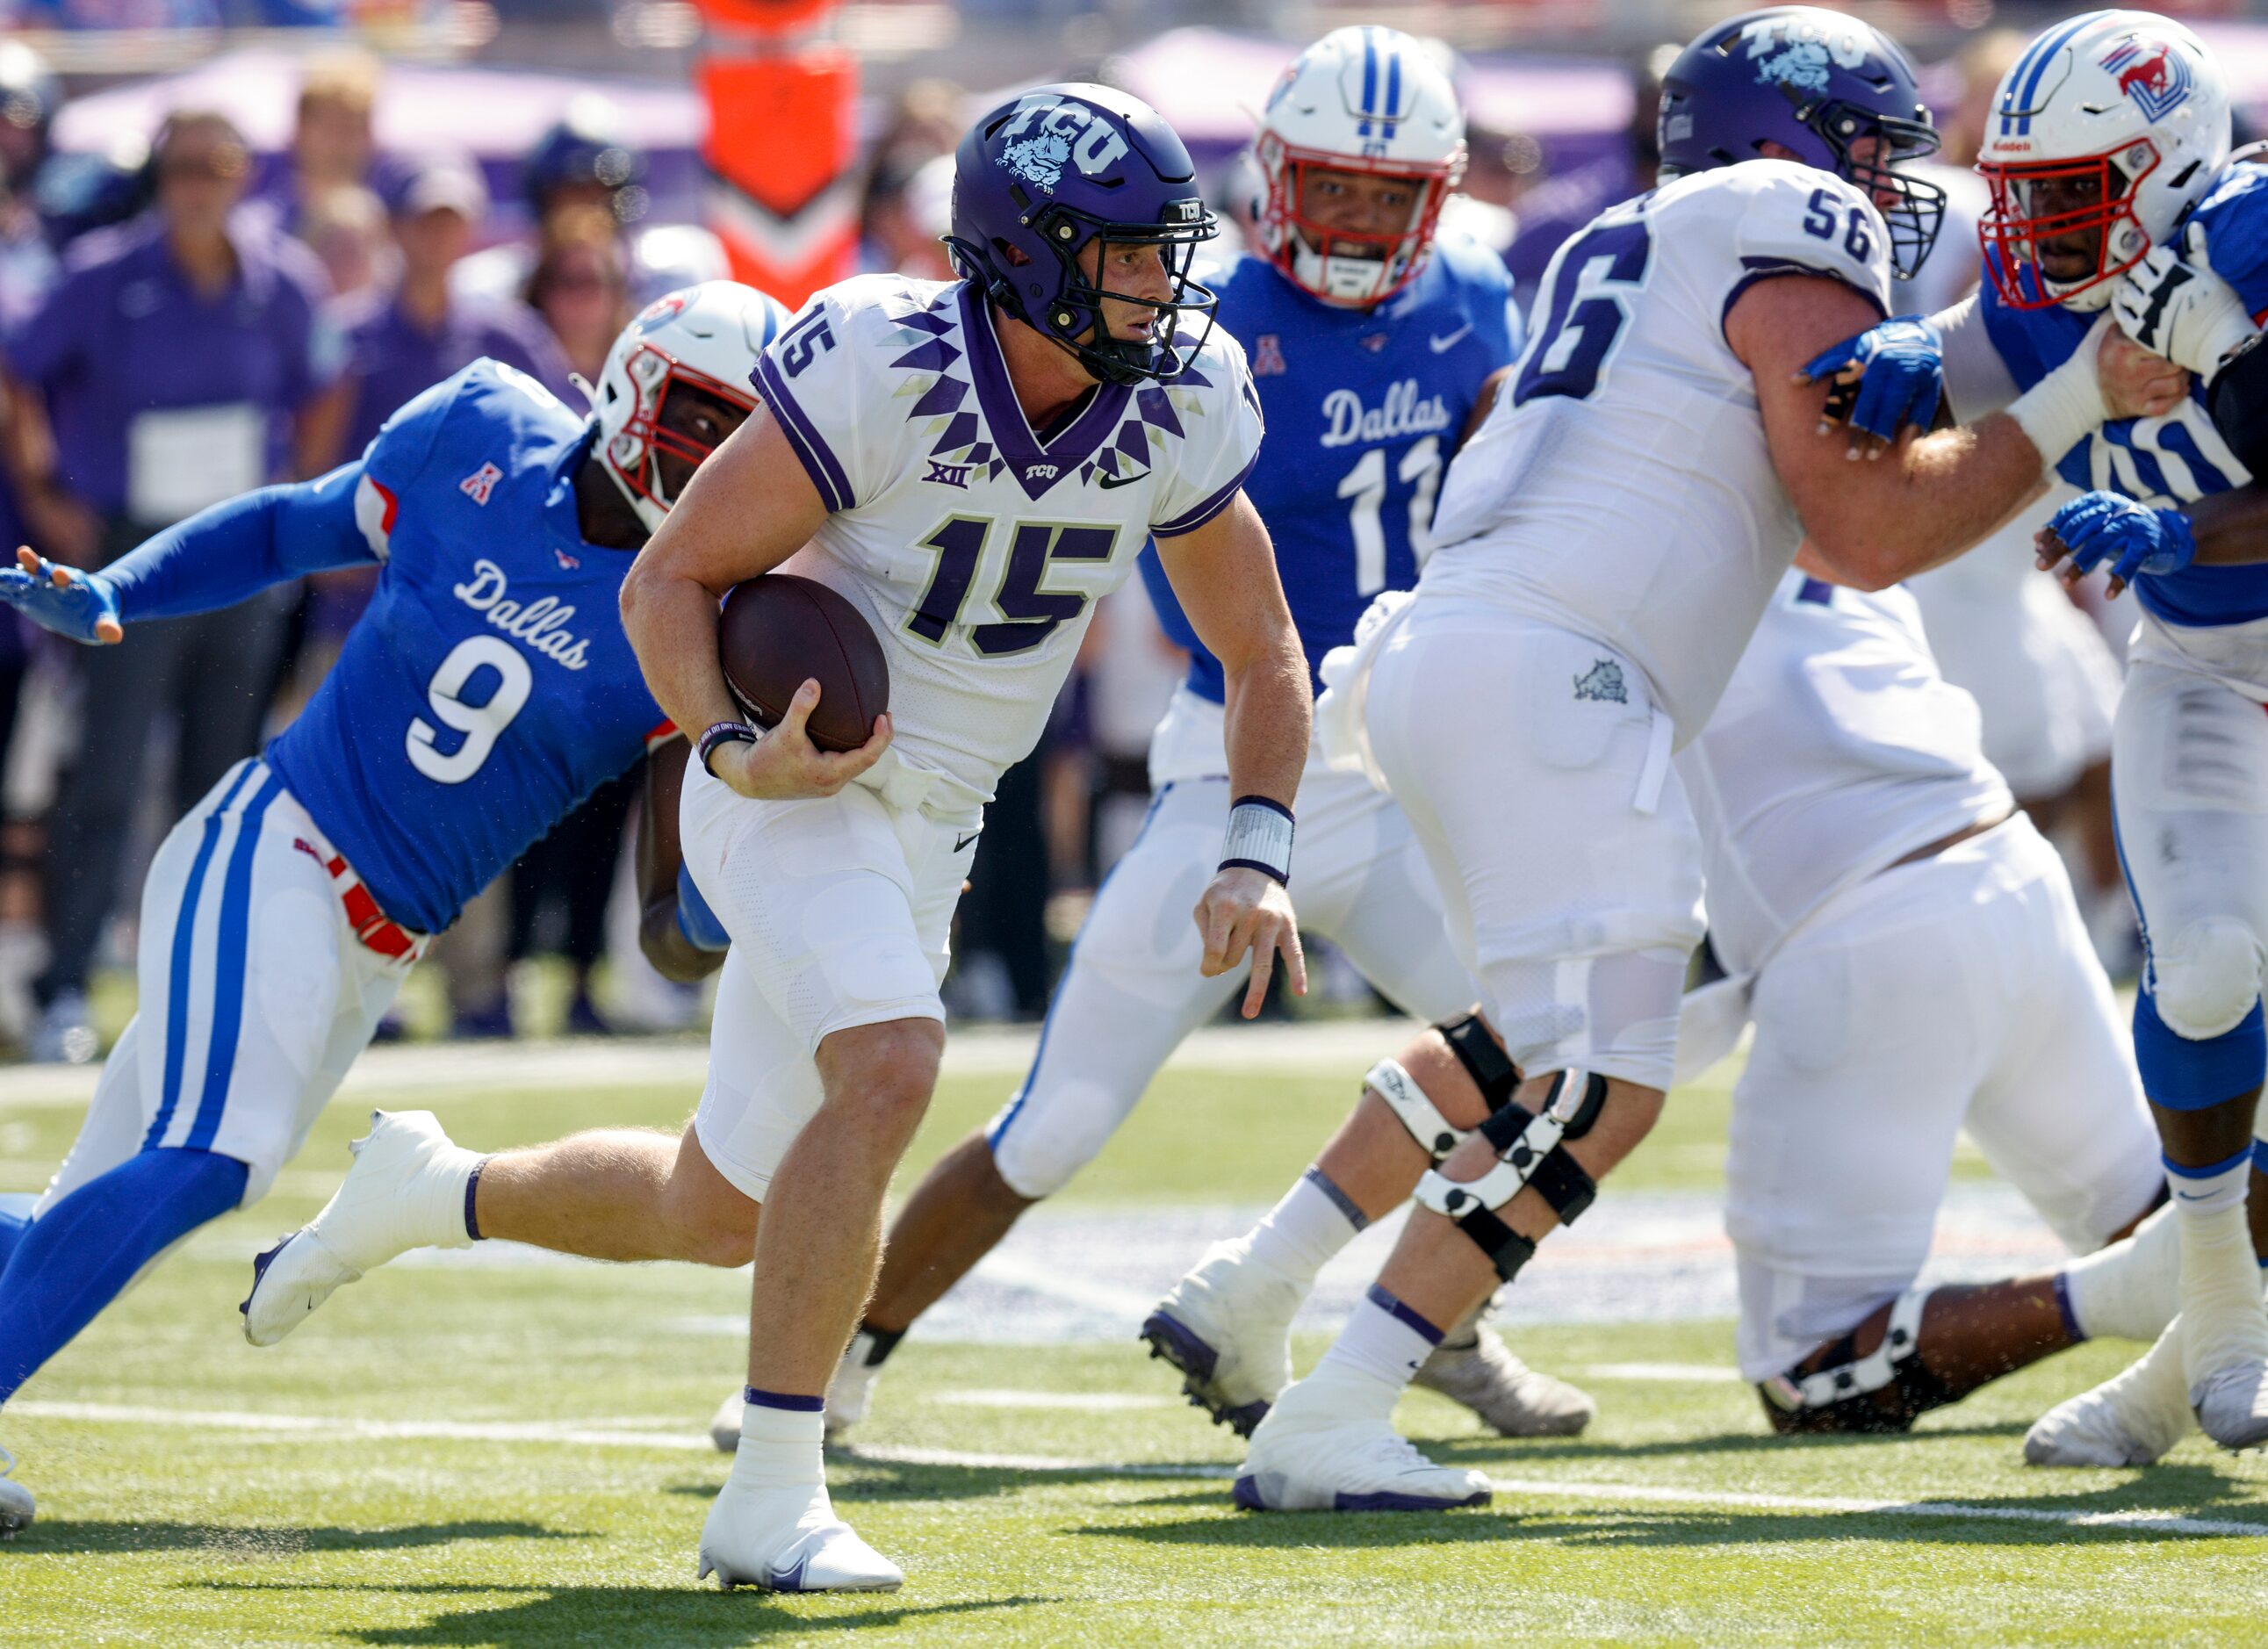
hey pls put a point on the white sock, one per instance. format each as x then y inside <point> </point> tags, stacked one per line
<point>2223,1323</point>
<point>1299,1234</point>
<point>2131,1290</point>
<point>2151,1397</point>
<point>780,1448</point>
<point>1377,1352</point>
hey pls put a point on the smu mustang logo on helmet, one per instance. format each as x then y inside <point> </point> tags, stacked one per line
<point>1045,133</point>
<point>2151,73</point>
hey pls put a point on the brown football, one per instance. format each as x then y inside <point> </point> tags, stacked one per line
<point>779,631</point>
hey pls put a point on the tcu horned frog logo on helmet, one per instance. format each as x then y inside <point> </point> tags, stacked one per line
<point>1047,134</point>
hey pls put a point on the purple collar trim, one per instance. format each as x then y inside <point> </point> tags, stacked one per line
<point>1038,465</point>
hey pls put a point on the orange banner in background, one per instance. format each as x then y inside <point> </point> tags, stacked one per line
<point>783,145</point>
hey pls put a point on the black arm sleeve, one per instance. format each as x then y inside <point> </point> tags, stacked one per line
<point>2238,398</point>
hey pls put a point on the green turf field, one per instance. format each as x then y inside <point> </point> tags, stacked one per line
<point>511,1455</point>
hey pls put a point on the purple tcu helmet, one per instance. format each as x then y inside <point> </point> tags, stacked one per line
<point>1837,92</point>
<point>1039,177</point>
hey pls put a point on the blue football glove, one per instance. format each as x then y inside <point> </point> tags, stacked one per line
<point>2099,526</point>
<point>1901,367</point>
<point>79,605</point>
<point>695,920</point>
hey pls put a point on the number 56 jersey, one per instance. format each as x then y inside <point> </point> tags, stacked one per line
<point>976,546</point>
<point>1620,488</point>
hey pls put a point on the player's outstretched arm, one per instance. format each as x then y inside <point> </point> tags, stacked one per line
<point>678,932</point>
<point>1872,525</point>
<point>215,558</point>
<point>747,508</point>
<point>1224,575</point>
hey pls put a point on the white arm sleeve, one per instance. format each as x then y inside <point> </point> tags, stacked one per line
<point>1977,380</point>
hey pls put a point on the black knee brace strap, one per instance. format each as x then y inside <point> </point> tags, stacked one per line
<point>1528,1154</point>
<point>1846,1392</point>
<point>1485,1062</point>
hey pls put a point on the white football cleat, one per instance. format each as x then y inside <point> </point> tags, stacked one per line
<point>17,1511</point>
<point>1479,1370</point>
<point>786,1537</point>
<point>853,1389</point>
<point>1308,1457</point>
<point>2232,1405</point>
<point>406,1190</point>
<point>2130,1419</point>
<point>1227,1327</point>
<point>725,1425</point>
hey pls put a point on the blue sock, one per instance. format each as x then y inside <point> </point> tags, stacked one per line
<point>13,1227</point>
<point>74,1258</point>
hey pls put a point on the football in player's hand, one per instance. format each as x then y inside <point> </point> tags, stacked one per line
<point>779,631</point>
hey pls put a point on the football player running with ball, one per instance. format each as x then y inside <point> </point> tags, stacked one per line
<point>2109,155</point>
<point>489,690</point>
<point>1371,341</point>
<point>1605,546</point>
<point>972,464</point>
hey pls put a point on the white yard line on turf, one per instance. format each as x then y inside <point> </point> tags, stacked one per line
<point>1678,1373</point>
<point>468,1070</point>
<point>2140,1521</point>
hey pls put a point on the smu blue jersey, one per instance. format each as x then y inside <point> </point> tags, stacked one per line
<point>1363,407</point>
<point>489,688</point>
<point>2170,461</point>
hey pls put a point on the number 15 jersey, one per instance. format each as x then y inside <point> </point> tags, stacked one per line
<point>1620,488</point>
<point>976,547</point>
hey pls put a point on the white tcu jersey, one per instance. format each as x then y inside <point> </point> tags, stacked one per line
<point>1623,489</point>
<point>975,547</point>
<point>1836,751</point>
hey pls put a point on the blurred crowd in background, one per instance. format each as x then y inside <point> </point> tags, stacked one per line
<point>185,314</point>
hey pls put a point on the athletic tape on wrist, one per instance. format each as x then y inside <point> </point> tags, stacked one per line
<point>1259,838</point>
<point>2063,408</point>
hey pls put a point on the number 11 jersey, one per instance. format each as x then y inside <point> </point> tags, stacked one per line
<point>975,546</point>
<point>1622,488</point>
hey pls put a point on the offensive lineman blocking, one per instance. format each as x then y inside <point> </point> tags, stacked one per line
<point>1591,628</point>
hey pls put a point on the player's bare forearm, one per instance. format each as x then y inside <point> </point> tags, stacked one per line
<point>661,931</point>
<point>1224,575</point>
<point>1872,524</point>
<point>2231,527</point>
<point>747,508</point>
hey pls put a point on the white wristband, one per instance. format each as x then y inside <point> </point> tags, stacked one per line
<point>2065,408</point>
<point>1259,838</point>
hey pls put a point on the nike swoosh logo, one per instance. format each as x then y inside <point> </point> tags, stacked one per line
<point>1442,345</point>
<point>966,840</point>
<point>1108,482</point>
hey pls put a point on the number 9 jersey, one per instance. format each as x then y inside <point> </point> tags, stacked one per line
<point>490,688</point>
<point>1622,488</point>
<point>976,546</point>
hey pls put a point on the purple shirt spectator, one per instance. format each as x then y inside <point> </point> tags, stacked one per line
<point>391,358</point>
<point>125,335</point>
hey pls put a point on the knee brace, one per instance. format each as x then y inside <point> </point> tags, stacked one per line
<point>1492,1073</point>
<point>1483,1059</point>
<point>1528,1148</point>
<point>1842,1394</point>
<point>1435,1133</point>
<point>2183,1074</point>
<point>2205,976</point>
